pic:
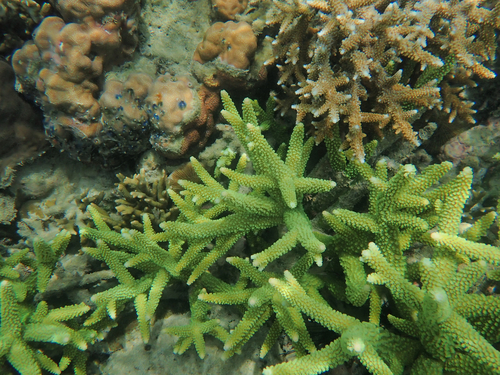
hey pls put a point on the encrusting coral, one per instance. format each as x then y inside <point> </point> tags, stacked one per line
<point>96,109</point>
<point>233,43</point>
<point>379,63</point>
<point>182,114</point>
<point>62,67</point>
<point>68,59</point>
<point>228,9</point>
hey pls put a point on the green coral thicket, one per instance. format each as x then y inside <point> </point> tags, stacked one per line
<point>22,325</point>
<point>406,270</point>
<point>410,242</point>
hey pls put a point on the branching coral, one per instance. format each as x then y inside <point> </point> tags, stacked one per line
<point>278,188</point>
<point>21,324</point>
<point>142,195</point>
<point>131,248</point>
<point>200,325</point>
<point>380,351</point>
<point>278,191</point>
<point>43,325</point>
<point>433,303</point>
<point>410,250</point>
<point>264,303</point>
<point>364,62</point>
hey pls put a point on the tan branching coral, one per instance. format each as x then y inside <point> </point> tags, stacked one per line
<point>233,43</point>
<point>353,63</point>
<point>140,195</point>
<point>18,18</point>
<point>290,45</point>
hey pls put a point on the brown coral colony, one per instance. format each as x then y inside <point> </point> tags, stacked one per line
<point>233,43</point>
<point>63,68</point>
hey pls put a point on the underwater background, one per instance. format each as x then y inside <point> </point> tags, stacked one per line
<point>243,186</point>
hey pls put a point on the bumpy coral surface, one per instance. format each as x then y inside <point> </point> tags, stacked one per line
<point>121,102</point>
<point>181,115</point>
<point>62,66</point>
<point>229,8</point>
<point>98,118</point>
<point>171,102</point>
<point>231,42</point>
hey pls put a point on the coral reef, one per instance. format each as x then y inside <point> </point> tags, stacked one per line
<point>431,289</point>
<point>232,216</point>
<point>400,284</point>
<point>63,68</point>
<point>360,67</point>
<point>411,237</point>
<point>375,252</point>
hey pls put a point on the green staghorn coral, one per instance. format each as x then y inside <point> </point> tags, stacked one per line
<point>379,350</point>
<point>431,295</point>
<point>24,323</point>
<point>199,325</point>
<point>263,303</point>
<point>130,248</point>
<point>278,187</point>
<point>277,190</point>
<point>20,325</point>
